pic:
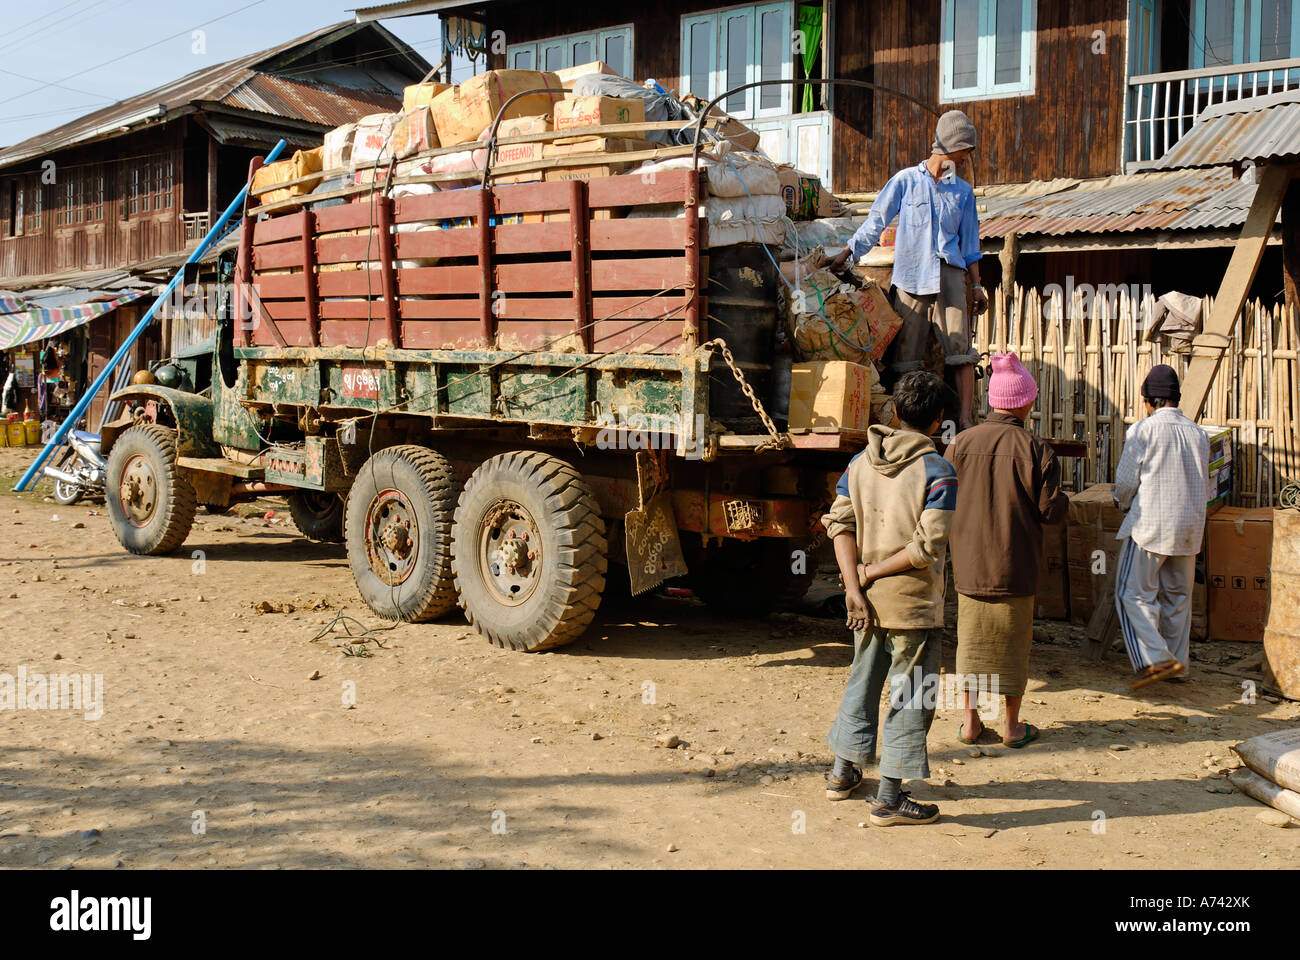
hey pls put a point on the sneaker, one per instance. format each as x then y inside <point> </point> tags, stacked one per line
<point>840,788</point>
<point>905,811</point>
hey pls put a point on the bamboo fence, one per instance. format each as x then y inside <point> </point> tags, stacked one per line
<point>1090,363</point>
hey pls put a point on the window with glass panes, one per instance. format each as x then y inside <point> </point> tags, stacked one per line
<point>613,46</point>
<point>734,46</point>
<point>987,48</point>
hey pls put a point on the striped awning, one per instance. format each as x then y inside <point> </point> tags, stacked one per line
<point>24,319</point>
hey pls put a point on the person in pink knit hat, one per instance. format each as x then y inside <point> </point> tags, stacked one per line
<point>1008,487</point>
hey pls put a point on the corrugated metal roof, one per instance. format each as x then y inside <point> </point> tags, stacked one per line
<point>1167,200</point>
<point>1259,129</point>
<point>248,83</point>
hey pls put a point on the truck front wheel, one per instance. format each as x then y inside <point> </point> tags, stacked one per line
<point>398,525</point>
<point>150,503</point>
<point>529,551</point>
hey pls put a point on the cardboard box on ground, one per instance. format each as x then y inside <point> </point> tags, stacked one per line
<point>1238,554</point>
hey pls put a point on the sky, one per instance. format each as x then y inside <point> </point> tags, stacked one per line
<point>55,54</point>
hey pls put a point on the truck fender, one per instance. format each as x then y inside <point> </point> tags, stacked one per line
<point>189,413</point>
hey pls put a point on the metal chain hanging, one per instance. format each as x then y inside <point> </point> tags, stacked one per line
<point>779,440</point>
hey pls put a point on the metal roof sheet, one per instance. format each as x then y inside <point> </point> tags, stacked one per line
<point>1259,129</point>
<point>1167,200</point>
<point>263,82</point>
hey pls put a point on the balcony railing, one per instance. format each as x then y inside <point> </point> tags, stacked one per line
<point>197,226</point>
<point>1162,107</point>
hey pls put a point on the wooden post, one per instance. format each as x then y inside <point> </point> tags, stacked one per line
<point>387,275</point>
<point>1008,257</point>
<point>309,292</point>
<point>244,268</point>
<point>214,194</point>
<point>693,319</point>
<point>1209,346</point>
<point>484,218</point>
<point>579,228</point>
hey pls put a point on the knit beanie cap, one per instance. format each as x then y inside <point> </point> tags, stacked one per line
<point>1161,383</point>
<point>1010,387</point>
<point>954,132</point>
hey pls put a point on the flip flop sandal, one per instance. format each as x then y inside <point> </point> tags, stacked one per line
<point>1031,734</point>
<point>1157,673</point>
<point>973,740</point>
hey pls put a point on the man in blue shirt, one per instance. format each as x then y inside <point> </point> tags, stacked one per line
<point>936,249</point>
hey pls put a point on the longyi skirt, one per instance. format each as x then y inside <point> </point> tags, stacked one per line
<point>993,639</point>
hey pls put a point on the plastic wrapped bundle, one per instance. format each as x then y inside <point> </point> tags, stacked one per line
<point>827,319</point>
<point>658,106</point>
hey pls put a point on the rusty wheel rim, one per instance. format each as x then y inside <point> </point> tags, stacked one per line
<point>510,552</point>
<point>392,537</point>
<point>138,491</point>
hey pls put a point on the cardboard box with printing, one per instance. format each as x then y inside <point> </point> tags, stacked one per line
<point>422,94</point>
<point>462,113</point>
<point>597,112</point>
<point>829,397</point>
<point>600,150</point>
<point>1238,549</point>
<point>569,74</point>
<point>530,152</point>
<point>1092,550</point>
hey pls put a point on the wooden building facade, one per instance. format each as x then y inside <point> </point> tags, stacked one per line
<point>146,177</point>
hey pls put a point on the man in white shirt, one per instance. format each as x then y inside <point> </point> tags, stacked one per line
<point>1161,482</point>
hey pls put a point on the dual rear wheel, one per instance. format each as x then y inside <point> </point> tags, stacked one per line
<point>521,547</point>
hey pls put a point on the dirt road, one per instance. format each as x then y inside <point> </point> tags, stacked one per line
<point>230,737</point>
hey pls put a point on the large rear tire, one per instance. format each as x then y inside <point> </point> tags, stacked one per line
<point>530,554</point>
<point>150,502</point>
<point>318,516</point>
<point>398,524</point>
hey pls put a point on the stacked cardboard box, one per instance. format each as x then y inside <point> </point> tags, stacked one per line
<point>462,113</point>
<point>1093,551</point>
<point>836,397</point>
<point>1238,551</point>
<point>1282,635</point>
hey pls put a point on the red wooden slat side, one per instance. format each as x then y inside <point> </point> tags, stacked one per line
<point>444,205</point>
<point>530,198</point>
<point>441,334</point>
<point>350,333</point>
<point>280,287</point>
<point>277,256</point>
<point>658,233</point>
<point>632,190</point>
<point>347,216</point>
<point>430,244</point>
<point>609,336</point>
<point>277,229</point>
<point>415,281</point>
<point>296,333</point>
<point>533,334</point>
<point>348,283</point>
<point>527,308</point>
<point>443,309</point>
<point>639,308</point>
<point>357,249</point>
<point>655,273</point>
<point>532,238</point>
<point>515,278</point>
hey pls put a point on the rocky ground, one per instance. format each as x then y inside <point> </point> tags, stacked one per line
<point>241,727</point>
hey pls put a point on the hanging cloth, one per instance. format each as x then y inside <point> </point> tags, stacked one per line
<point>810,25</point>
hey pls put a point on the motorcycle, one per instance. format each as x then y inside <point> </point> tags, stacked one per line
<point>79,470</point>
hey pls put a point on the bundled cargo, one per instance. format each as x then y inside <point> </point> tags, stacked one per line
<point>830,318</point>
<point>723,125</point>
<point>530,152</point>
<point>461,113</point>
<point>302,164</point>
<point>656,106</point>
<point>372,143</point>
<point>837,397</point>
<point>603,152</point>
<point>806,198</point>
<point>413,132</point>
<point>422,94</point>
<point>598,111</point>
<point>569,74</point>
<point>337,149</point>
<point>1273,770</point>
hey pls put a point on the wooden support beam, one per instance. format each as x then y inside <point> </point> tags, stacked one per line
<point>1008,257</point>
<point>579,225</point>
<point>244,268</point>
<point>1291,245</point>
<point>387,275</point>
<point>483,222</point>
<point>310,297</point>
<point>1212,342</point>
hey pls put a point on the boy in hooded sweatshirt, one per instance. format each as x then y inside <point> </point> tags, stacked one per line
<point>889,524</point>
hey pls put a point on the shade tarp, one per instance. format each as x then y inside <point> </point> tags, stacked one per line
<point>24,319</point>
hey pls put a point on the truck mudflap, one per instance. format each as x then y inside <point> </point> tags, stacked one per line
<point>189,413</point>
